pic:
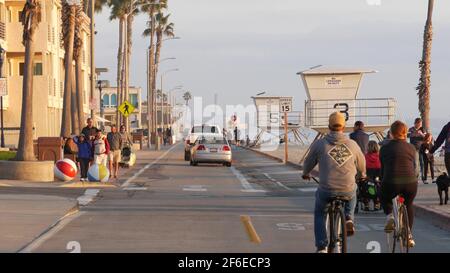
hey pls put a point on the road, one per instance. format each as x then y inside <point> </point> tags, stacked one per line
<point>165,205</point>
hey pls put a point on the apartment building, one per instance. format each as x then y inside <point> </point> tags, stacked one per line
<point>48,80</point>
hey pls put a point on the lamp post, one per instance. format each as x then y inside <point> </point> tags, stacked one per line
<point>153,122</point>
<point>162,95</point>
<point>2,58</point>
<point>101,84</point>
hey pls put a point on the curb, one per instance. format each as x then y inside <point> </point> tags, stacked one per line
<point>435,217</point>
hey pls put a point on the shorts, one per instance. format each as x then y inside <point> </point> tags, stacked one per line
<point>101,159</point>
<point>114,156</point>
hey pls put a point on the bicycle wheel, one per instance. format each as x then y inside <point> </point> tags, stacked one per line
<point>338,232</point>
<point>404,232</point>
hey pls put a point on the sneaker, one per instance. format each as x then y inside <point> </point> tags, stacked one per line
<point>411,242</point>
<point>322,250</point>
<point>350,227</point>
<point>390,224</point>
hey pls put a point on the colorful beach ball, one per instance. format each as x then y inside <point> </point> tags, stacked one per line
<point>65,169</point>
<point>98,173</point>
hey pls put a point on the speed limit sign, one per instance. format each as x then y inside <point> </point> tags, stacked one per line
<point>286,105</point>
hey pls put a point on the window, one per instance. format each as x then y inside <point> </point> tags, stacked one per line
<point>134,100</point>
<point>38,71</point>
<point>113,100</point>
<point>105,100</point>
<point>21,69</point>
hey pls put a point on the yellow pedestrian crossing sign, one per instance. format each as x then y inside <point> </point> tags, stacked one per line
<point>126,108</point>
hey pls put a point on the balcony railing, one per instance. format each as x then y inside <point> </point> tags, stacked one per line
<point>2,30</point>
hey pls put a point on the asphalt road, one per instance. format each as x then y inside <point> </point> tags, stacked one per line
<point>165,205</point>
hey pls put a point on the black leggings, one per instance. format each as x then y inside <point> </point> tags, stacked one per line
<point>84,166</point>
<point>389,191</point>
<point>428,163</point>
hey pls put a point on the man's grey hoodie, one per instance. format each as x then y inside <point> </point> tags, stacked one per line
<point>340,159</point>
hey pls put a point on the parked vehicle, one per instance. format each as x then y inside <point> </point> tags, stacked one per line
<point>193,135</point>
<point>211,148</point>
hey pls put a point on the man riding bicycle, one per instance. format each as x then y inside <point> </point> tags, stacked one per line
<point>340,159</point>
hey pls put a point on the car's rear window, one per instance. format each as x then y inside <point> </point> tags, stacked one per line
<point>205,129</point>
<point>212,140</point>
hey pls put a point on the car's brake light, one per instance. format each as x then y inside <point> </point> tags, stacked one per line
<point>226,148</point>
<point>201,148</point>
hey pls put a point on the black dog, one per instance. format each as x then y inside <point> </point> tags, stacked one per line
<point>442,183</point>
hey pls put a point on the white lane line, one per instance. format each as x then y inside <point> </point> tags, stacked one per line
<point>88,197</point>
<point>245,184</point>
<point>135,189</point>
<point>277,182</point>
<point>136,175</point>
<point>307,189</point>
<point>194,188</point>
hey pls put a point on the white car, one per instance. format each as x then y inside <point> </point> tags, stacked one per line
<point>195,131</point>
<point>211,148</point>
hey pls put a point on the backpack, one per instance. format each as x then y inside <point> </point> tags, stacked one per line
<point>70,147</point>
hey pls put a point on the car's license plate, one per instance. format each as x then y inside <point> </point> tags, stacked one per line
<point>213,150</point>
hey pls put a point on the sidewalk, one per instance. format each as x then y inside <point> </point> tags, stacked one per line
<point>29,209</point>
<point>426,202</point>
<point>26,216</point>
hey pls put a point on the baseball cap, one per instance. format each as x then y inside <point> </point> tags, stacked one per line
<point>336,120</point>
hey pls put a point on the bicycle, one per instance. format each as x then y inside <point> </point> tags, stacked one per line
<point>401,233</point>
<point>336,227</point>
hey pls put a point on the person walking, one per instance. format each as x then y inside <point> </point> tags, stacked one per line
<point>340,160</point>
<point>127,140</point>
<point>115,145</point>
<point>428,158</point>
<point>444,137</point>
<point>90,130</point>
<point>360,137</point>
<point>373,166</point>
<point>399,175</point>
<point>84,154</point>
<point>100,149</point>
<point>236,136</point>
<point>416,135</point>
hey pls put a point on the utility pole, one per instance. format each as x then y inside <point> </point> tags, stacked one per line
<point>2,59</point>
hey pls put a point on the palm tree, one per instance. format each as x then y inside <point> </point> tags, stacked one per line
<point>424,65</point>
<point>163,29</point>
<point>151,9</point>
<point>77,92</point>
<point>68,29</point>
<point>30,17</point>
<point>187,97</point>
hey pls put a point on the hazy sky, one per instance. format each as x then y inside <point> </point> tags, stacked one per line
<point>237,48</point>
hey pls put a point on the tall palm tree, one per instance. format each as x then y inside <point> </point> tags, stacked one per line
<point>68,31</point>
<point>152,9</point>
<point>78,103</point>
<point>30,17</point>
<point>187,97</point>
<point>163,29</point>
<point>425,73</point>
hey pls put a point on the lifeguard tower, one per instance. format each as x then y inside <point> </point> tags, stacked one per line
<point>330,89</point>
<point>270,118</point>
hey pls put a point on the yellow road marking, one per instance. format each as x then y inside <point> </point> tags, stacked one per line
<point>251,232</point>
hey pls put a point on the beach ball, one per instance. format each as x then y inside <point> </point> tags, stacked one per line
<point>98,173</point>
<point>65,169</point>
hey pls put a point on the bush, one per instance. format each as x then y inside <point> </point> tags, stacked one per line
<point>7,155</point>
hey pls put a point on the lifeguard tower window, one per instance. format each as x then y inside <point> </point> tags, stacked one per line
<point>330,89</point>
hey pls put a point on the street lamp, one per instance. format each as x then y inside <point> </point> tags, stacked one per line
<point>102,84</point>
<point>162,95</point>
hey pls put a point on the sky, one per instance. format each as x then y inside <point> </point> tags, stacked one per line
<point>237,48</point>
